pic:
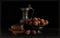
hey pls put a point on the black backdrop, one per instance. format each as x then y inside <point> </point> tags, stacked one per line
<point>11,14</point>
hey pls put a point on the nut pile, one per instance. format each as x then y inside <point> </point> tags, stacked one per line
<point>32,27</point>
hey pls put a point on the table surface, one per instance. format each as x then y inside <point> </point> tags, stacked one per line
<point>50,32</point>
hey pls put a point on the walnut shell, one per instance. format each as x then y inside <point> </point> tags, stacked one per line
<point>27,32</point>
<point>34,32</point>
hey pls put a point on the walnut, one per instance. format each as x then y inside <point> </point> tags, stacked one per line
<point>27,32</point>
<point>33,32</point>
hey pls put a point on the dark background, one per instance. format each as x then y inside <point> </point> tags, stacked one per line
<point>11,14</point>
